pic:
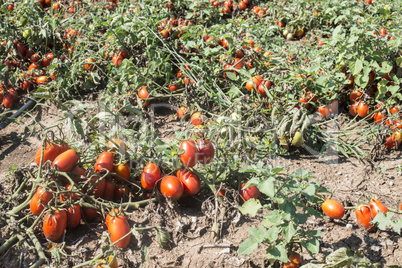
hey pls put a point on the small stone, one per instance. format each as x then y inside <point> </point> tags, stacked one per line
<point>391,183</point>
<point>349,226</point>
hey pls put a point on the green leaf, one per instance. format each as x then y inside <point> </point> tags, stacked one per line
<point>312,245</point>
<point>273,233</point>
<point>248,246</point>
<point>299,218</point>
<point>273,218</point>
<point>382,221</point>
<point>232,76</point>
<point>309,191</point>
<point>399,61</point>
<point>357,67</point>
<point>289,231</point>
<point>258,235</point>
<point>386,67</point>
<point>302,174</point>
<point>250,207</point>
<point>267,187</point>
<point>277,252</point>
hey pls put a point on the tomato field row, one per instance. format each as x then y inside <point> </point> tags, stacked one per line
<point>246,81</point>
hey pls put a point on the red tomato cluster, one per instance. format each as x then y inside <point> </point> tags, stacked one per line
<point>68,211</point>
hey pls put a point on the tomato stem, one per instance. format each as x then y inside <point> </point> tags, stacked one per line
<point>349,207</point>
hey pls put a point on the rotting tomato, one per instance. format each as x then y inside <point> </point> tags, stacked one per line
<point>206,151</point>
<point>73,216</point>
<point>377,206</point>
<point>250,192</point>
<point>54,224</point>
<point>355,95</point>
<point>40,199</point>
<point>172,187</point>
<point>150,175</point>
<point>118,227</point>
<point>104,161</point>
<point>188,157</point>
<point>190,181</point>
<point>333,209</point>
<point>66,160</point>
<point>50,153</point>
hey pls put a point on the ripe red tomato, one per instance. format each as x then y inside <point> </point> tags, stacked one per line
<point>150,175</point>
<point>190,181</point>
<point>108,193</point>
<point>254,83</point>
<point>173,87</point>
<point>363,216</point>
<point>353,109</point>
<point>143,93</point>
<point>261,89</point>
<point>35,58</point>
<point>8,101</point>
<point>89,64</point>
<point>90,214</point>
<point>41,79</point>
<point>294,261</point>
<point>198,119</point>
<point>122,171</point>
<point>118,227</point>
<point>47,60</point>
<point>250,192</point>
<point>54,224</point>
<point>117,60</point>
<point>355,95</point>
<point>73,216</point>
<point>77,173</point>
<point>333,209</point>
<point>104,161</point>
<point>324,111</point>
<point>172,187</point>
<point>121,194</point>
<point>363,109</point>
<point>182,113</point>
<point>377,206</point>
<point>13,93</point>
<point>26,85</point>
<point>66,196</point>
<point>379,117</point>
<point>40,199</point>
<point>119,143</point>
<point>394,110</point>
<point>50,152</point>
<point>188,157</point>
<point>206,151</point>
<point>383,32</point>
<point>96,185</point>
<point>66,160</point>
